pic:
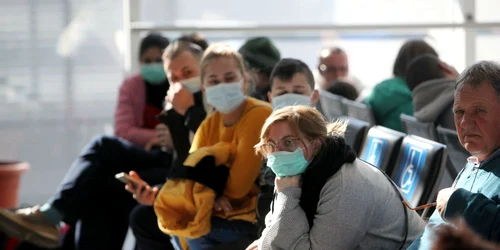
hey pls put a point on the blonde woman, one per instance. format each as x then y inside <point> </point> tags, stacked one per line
<point>235,124</point>
<point>325,197</point>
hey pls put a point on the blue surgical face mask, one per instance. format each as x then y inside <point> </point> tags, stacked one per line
<point>225,97</point>
<point>284,163</point>
<point>290,99</point>
<point>153,73</point>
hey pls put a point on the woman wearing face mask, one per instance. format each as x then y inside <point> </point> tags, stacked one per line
<point>235,124</point>
<point>141,96</point>
<point>325,198</point>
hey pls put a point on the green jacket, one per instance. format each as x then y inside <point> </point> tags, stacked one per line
<point>389,100</point>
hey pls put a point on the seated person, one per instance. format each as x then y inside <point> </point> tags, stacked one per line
<point>195,38</point>
<point>291,83</point>
<point>325,197</point>
<point>391,98</point>
<point>260,55</point>
<point>475,195</point>
<point>84,195</point>
<point>236,121</point>
<point>182,64</point>
<point>333,65</point>
<point>141,96</point>
<point>432,83</point>
<point>460,237</point>
<point>344,89</point>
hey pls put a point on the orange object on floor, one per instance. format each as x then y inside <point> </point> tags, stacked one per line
<point>10,179</point>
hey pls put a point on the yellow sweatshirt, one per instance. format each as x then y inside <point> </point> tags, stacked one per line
<point>184,207</point>
<point>244,169</point>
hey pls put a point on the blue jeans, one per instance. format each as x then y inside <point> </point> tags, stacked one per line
<point>223,231</point>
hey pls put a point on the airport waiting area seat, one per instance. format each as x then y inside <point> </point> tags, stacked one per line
<point>330,105</point>
<point>419,169</point>
<point>355,133</point>
<point>359,111</point>
<point>457,154</point>
<point>381,146</point>
<point>412,126</point>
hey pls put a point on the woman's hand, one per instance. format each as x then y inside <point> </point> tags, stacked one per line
<point>222,204</point>
<point>254,245</point>
<point>143,193</point>
<point>286,182</point>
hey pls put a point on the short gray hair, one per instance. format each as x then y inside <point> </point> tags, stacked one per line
<point>178,47</point>
<point>481,71</point>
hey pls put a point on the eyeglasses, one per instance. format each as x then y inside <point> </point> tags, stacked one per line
<point>433,204</point>
<point>285,144</point>
<point>331,69</point>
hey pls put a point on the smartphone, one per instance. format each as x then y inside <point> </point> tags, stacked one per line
<point>125,178</point>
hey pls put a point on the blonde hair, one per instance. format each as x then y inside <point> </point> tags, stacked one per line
<point>302,120</point>
<point>218,50</point>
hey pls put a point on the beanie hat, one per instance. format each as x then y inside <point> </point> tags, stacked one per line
<point>260,53</point>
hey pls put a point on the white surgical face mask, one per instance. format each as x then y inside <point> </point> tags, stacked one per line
<point>290,99</point>
<point>192,84</point>
<point>225,97</point>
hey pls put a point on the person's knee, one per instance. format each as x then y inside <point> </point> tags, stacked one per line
<point>140,216</point>
<point>98,141</point>
<point>106,140</point>
<point>104,144</point>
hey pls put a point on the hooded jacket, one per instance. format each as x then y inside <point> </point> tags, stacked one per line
<point>433,102</point>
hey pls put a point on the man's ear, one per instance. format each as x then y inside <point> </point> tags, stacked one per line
<point>269,96</point>
<point>314,98</point>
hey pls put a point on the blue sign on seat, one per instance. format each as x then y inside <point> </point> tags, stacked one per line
<point>419,169</point>
<point>376,149</point>
<point>410,169</point>
<point>381,148</point>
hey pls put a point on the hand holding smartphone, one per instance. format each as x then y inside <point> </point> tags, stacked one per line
<point>141,191</point>
<point>125,178</point>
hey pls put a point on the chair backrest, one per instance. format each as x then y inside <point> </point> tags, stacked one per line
<point>419,169</point>
<point>381,147</point>
<point>331,105</point>
<point>355,133</point>
<point>411,126</point>
<point>359,111</point>
<point>456,152</point>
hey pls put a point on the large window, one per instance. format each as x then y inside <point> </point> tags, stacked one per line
<point>63,60</point>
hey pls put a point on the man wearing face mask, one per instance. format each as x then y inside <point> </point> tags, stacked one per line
<point>90,199</point>
<point>185,110</point>
<point>292,83</point>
